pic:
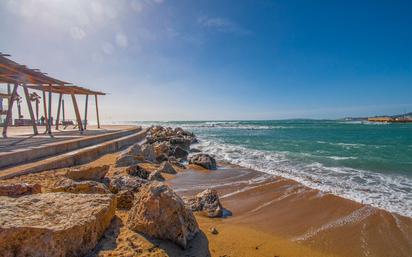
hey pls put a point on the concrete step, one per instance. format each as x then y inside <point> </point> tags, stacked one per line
<point>27,155</point>
<point>76,157</point>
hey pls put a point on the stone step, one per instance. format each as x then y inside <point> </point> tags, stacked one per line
<point>9,159</point>
<point>76,157</point>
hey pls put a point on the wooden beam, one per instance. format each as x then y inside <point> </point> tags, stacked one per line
<point>33,119</point>
<point>85,112</point>
<point>49,121</point>
<point>58,110</point>
<point>76,110</point>
<point>9,110</point>
<point>97,111</point>
<point>63,113</point>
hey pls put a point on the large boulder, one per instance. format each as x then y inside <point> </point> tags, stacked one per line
<point>95,173</point>
<point>125,199</point>
<point>180,153</point>
<point>162,149</point>
<point>121,182</point>
<point>166,167</point>
<point>183,142</point>
<point>138,171</point>
<point>80,187</point>
<point>125,160</point>
<point>148,153</point>
<point>15,190</point>
<point>204,160</point>
<point>206,202</point>
<point>159,212</point>
<point>53,224</point>
<point>135,150</point>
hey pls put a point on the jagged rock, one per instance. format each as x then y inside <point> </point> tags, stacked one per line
<point>80,187</point>
<point>125,160</point>
<point>156,175</point>
<point>14,190</point>
<point>53,224</point>
<point>135,150</point>
<point>204,160</point>
<point>161,149</point>
<point>180,153</point>
<point>125,199</point>
<point>166,167</point>
<point>148,153</point>
<point>138,171</point>
<point>119,183</point>
<point>95,173</point>
<point>159,212</point>
<point>206,202</point>
<point>184,143</point>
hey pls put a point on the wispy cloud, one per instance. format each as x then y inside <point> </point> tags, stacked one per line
<point>223,25</point>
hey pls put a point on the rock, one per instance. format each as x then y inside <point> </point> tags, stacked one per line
<point>125,199</point>
<point>161,149</point>
<point>156,175</point>
<point>80,187</point>
<point>166,167</point>
<point>135,150</point>
<point>95,173</point>
<point>159,212</point>
<point>180,153</point>
<point>204,160</point>
<point>138,171</point>
<point>214,231</point>
<point>207,202</point>
<point>148,153</point>
<point>14,190</point>
<point>53,224</point>
<point>125,160</point>
<point>184,143</point>
<point>195,150</point>
<point>120,183</point>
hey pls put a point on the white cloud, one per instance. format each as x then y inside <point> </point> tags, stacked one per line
<point>121,40</point>
<point>223,25</point>
<point>77,33</point>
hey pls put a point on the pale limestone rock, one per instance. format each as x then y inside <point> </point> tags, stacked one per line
<point>206,202</point>
<point>204,160</point>
<point>95,173</point>
<point>53,224</point>
<point>80,187</point>
<point>159,212</point>
<point>14,190</point>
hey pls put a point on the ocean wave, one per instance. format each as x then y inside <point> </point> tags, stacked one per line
<point>389,192</point>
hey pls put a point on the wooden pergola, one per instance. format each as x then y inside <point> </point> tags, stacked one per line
<point>12,73</point>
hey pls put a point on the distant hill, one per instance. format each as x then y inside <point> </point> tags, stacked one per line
<point>409,114</point>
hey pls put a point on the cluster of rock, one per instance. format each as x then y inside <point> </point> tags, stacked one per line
<point>69,220</point>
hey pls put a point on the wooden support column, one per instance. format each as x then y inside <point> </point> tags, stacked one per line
<point>85,112</point>
<point>97,111</point>
<point>49,121</point>
<point>58,110</point>
<point>9,110</point>
<point>76,110</point>
<point>33,119</point>
<point>45,109</point>
<point>63,113</point>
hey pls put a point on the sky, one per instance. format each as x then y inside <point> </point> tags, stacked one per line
<point>220,60</point>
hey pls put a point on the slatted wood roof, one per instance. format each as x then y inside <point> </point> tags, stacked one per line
<point>12,72</point>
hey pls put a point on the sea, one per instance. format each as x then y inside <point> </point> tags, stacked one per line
<point>366,162</point>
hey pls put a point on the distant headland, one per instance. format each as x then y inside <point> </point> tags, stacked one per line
<point>399,118</point>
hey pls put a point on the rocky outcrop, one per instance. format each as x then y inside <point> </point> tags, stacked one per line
<point>148,153</point>
<point>125,160</point>
<point>53,224</point>
<point>156,175</point>
<point>121,182</point>
<point>80,187</point>
<point>95,173</point>
<point>204,160</point>
<point>206,202</point>
<point>159,212</point>
<point>14,190</point>
<point>166,167</point>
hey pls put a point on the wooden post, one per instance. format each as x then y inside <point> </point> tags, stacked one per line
<point>49,122</point>
<point>9,110</point>
<point>63,114</point>
<point>33,119</point>
<point>85,112</point>
<point>97,111</point>
<point>76,110</point>
<point>58,110</point>
<point>45,108</point>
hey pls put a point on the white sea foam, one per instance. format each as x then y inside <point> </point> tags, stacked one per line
<point>390,192</point>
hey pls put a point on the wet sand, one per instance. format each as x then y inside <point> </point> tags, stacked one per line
<point>282,217</point>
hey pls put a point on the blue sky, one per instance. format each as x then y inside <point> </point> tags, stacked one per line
<point>184,60</point>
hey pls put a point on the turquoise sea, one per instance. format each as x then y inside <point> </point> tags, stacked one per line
<point>366,162</point>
